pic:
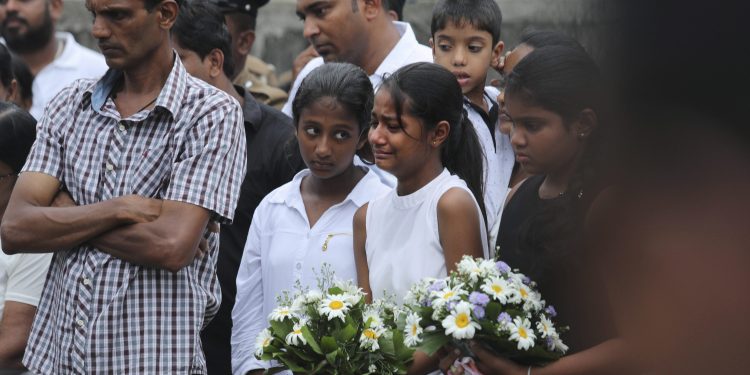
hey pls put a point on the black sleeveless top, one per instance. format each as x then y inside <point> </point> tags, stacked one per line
<point>565,276</point>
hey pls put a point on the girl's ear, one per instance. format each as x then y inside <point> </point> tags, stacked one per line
<point>587,122</point>
<point>440,134</point>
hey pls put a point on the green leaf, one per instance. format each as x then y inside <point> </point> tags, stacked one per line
<point>335,290</point>
<point>346,333</point>
<point>328,344</point>
<point>301,354</point>
<point>403,352</point>
<point>331,357</point>
<point>311,340</point>
<point>432,342</point>
<point>281,329</point>
<point>493,310</point>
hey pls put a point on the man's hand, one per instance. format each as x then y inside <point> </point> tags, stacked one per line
<point>212,227</point>
<point>302,59</point>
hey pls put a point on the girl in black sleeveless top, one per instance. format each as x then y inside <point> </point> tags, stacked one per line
<point>551,99</point>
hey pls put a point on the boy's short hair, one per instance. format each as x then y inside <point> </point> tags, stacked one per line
<point>484,15</point>
<point>200,28</point>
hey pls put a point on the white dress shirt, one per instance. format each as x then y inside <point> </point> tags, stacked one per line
<point>282,249</point>
<point>75,61</point>
<point>499,158</point>
<point>406,51</point>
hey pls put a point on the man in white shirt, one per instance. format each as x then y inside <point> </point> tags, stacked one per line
<point>358,32</point>
<point>55,59</point>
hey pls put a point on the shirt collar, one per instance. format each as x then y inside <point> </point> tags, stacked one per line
<point>251,112</point>
<point>361,194</point>
<point>169,98</point>
<point>400,52</point>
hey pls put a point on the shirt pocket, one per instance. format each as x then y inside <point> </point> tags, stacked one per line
<point>152,172</point>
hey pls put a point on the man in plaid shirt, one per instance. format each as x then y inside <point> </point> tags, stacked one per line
<point>146,157</point>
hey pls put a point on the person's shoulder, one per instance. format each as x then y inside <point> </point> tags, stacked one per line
<point>202,96</point>
<point>275,118</point>
<point>455,199</point>
<point>278,196</point>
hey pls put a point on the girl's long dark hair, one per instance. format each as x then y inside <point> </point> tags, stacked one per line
<point>431,93</point>
<point>565,81</point>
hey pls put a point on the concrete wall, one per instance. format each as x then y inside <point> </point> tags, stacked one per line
<point>279,31</point>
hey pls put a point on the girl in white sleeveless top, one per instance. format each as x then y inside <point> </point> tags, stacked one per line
<point>434,216</point>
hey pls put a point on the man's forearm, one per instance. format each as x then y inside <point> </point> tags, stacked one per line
<point>46,229</point>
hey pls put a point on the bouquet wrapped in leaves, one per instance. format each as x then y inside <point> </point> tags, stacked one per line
<point>333,331</point>
<point>487,302</point>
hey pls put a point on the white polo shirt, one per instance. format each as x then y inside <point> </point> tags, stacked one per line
<point>76,61</point>
<point>499,157</point>
<point>282,249</point>
<point>22,278</point>
<point>406,51</point>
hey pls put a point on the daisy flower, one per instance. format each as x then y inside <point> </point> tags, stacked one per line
<point>520,330</point>
<point>335,306</point>
<point>372,368</point>
<point>555,343</point>
<point>373,316</point>
<point>530,299</point>
<point>313,296</point>
<point>459,323</point>
<point>294,337</point>
<point>280,313</point>
<point>499,289</point>
<point>469,267</point>
<point>369,338</point>
<point>262,341</point>
<point>545,327</point>
<point>442,297</point>
<point>413,330</point>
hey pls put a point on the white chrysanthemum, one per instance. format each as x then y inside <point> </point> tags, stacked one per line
<point>369,338</point>
<point>335,306</point>
<point>459,323</point>
<point>372,368</point>
<point>262,341</point>
<point>488,268</point>
<point>520,330</point>
<point>499,289</point>
<point>313,296</point>
<point>352,290</point>
<point>295,337</point>
<point>545,327</point>
<point>441,297</point>
<point>299,305</point>
<point>373,316</point>
<point>557,344</point>
<point>531,299</point>
<point>413,330</point>
<point>280,313</point>
<point>470,268</point>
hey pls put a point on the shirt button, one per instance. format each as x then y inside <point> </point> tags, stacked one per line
<point>121,127</point>
<point>110,167</point>
<point>299,266</point>
<point>86,281</point>
<point>80,323</point>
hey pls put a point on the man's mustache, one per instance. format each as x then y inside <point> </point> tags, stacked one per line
<point>13,17</point>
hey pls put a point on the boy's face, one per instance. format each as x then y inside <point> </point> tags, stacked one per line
<point>467,52</point>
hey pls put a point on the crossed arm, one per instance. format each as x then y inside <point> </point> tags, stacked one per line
<point>150,232</point>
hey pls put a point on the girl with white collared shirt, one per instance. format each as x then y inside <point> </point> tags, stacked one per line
<point>308,221</point>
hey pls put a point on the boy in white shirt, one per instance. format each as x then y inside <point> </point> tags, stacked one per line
<point>466,40</point>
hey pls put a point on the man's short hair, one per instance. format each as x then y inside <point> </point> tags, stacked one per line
<point>484,15</point>
<point>396,6</point>
<point>200,28</point>
<point>151,4</point>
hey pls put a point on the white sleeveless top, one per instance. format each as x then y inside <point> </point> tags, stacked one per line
<point>403,242</point>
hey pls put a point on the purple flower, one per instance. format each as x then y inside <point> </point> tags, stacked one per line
<point>450,305</point>
<point>504,318</point>
<point>550,310</point>
<point>479,298</point>
<point>526,280</point>
<point>502,267</point>
<point>437,286</point>
<point>478,312</point>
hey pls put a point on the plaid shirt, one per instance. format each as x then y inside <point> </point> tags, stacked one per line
<point>102,315</point>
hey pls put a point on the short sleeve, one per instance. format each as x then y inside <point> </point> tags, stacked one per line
<point>26,279</point>
<point>46,155</point>
<point>210,166</point>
